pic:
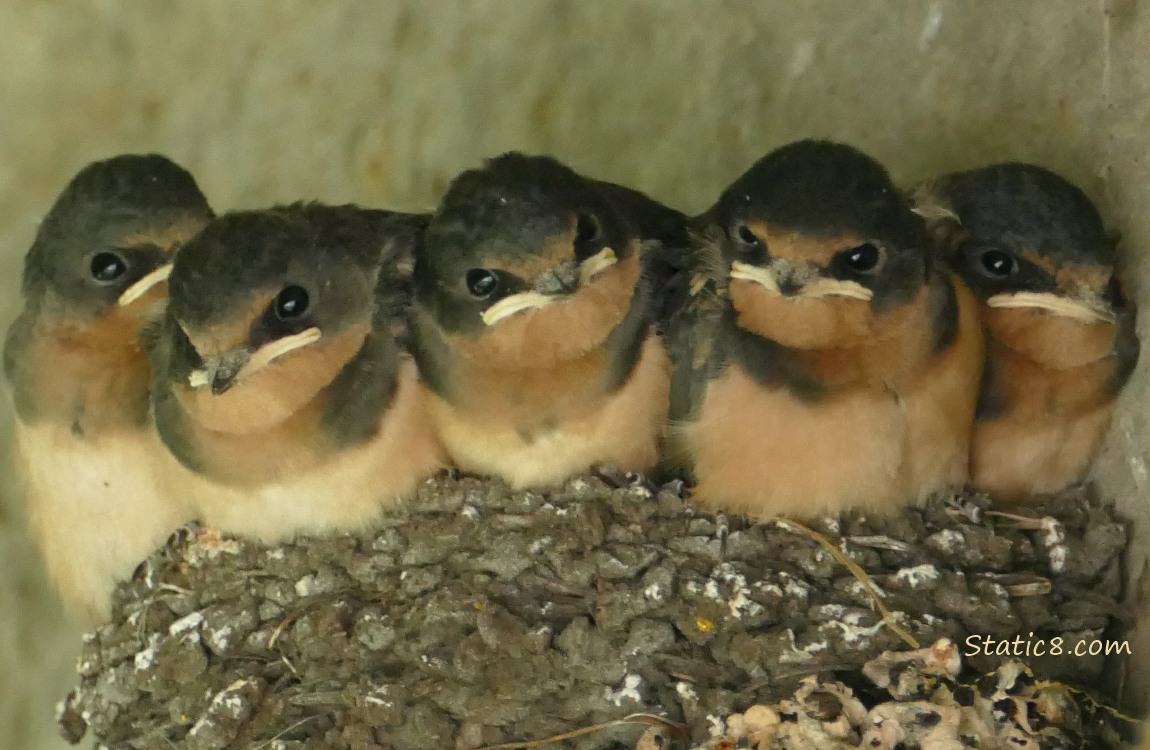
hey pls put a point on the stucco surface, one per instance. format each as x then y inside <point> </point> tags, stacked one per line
<point>382,102</point>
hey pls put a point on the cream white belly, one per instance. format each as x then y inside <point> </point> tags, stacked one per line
<point>95,507</point>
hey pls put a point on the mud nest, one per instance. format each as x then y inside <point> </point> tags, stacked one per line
<point>475,615</point>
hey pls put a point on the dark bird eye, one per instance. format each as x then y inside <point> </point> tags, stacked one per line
<point>746,236</point>
<point>1000,264</point>
<point>107,267</point>
<point>481,282</point>
<point>586,229</point>
<point>862,258</point>
<point>291,302</point>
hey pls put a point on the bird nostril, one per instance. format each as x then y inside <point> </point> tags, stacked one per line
<point>789,285</point>
<point>562,279</point>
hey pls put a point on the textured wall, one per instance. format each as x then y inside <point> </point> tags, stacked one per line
<point>382,102</point>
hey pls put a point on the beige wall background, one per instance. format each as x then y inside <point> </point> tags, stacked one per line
<point>383,102</point>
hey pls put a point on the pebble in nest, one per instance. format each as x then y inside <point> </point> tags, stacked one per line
<point>476,615</point>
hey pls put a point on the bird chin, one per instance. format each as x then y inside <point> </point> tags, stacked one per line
<point>1066,307</point>
<point>514,304</point>
<point>144,285</point>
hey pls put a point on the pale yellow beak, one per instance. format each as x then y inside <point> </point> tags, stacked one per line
<point>1066,307</point>
<point>815,289</point>
<point>144,284</point>
<point>533,300</point>
<point>227,370</point>
<point>516,303</point>
<point>765,277</point>
<point>594,265</point>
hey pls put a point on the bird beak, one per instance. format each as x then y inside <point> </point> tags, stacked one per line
<point>552,285</point>
<point>597,263</point>
<point>222,372</point>
<point>763,276</point>
<point>1090,310</point>
<point>824,287</point>
<point>144,285</point>
<point>516,303</point>
<point>815,288</point>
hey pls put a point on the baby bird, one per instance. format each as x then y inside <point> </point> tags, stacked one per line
<point>1060,331</point>
<point>79,375</point>
<point>823,361</point>
<point>533,322</point>
<point>280,383</point>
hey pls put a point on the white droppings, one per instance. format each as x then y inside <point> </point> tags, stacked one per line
<point>918,575</point>
<point>470,512</point>
<point>830,611</point>
<point>186,624</point>
<point>947,540</point>
<point>794,588</point>
<point>686,692</point>
<point>716,726</point>
<point>276,555</point>
<point>796,655</point>
<point>639,492</point>
<point>769,587</point>
<point>740,602</point>
<point>852,632</point>
<point>832,525</point>
<point>538,545</point>
<point>220,638</point>
<point>1053,536</point>
<point>378,697</point>
<point>653,593</point>
<point>629,690</point>
<point>930,26</point>
<point>307,586</point>
<point>553,509</point>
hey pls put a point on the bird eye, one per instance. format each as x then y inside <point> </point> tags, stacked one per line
<point>107,267</point>
<point>291,302</point>
<point>481,282</point>
<point>586,229</point>
<point>998,263</point>
<point>862,258</point>
<point>744,234</point>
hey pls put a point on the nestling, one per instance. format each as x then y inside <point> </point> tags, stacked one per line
<point>280,380</point>
<point>824,361</point>
<point>533,322</point>
<point>93,280</point>
<point>1060,330</point>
